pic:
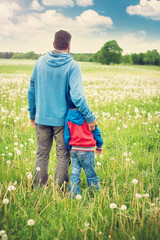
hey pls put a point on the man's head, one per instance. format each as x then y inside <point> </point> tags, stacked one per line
<point>62,40</point>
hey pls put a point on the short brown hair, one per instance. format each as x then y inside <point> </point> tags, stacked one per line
<point>62,39</point>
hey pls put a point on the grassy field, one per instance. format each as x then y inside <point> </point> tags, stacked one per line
<point>126,101</point>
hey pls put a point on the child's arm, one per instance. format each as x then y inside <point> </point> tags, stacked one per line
<point>67,136</point>
<point>98,138</point>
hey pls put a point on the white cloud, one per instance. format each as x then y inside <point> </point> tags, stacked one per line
<point>145,8</point>
<point>137,42</point>
<point>63,3</point>
<point>8,10</point>
<point>35,31</point>
<point>84,3</point>
<point>92,19</point>
<point>36,6</point>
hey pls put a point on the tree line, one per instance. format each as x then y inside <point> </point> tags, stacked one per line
<point>110,53</point>
<point>17,55</point>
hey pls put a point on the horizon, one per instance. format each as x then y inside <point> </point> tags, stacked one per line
<point>30,25</point>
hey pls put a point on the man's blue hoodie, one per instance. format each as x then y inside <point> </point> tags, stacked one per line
<point>54,75</point>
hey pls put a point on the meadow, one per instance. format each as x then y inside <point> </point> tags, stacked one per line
<point>126,100</point>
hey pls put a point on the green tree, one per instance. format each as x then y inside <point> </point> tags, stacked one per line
<point>126,59</point>
<point>109,53</point>
<point>152,57</point>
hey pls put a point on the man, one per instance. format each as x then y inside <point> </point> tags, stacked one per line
<point>54,75</point>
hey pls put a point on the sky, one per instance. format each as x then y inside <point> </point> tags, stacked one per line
<point>30,25</point>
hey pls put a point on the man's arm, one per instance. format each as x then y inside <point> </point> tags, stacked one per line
<point>78,97</point>
<point>31,98</point>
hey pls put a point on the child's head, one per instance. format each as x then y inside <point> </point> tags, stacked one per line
<point>69,101</point>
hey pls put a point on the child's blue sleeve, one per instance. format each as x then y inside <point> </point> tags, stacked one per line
<point>97,137</point>
<point>67,136</point>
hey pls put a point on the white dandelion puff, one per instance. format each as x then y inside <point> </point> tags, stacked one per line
<point>11,188</point>
<point>5,201</point>
<point>38,169</point>
<point>4,237</point>
<point>2,232</point>
<point>146,195</point>
<point>125,154</point>
<point>18,152</point>
<point>78,196</point>
<point>123,207</point>
<point>98,163</point>
<point>138,195</point>
<point>29,176</point>
<point>86,224</point>
<point>134,181</point>
<point>112,205</point>
<point>30,222</point>
<point>8,162</point>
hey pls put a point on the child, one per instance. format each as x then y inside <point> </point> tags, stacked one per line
<point>81,142</point>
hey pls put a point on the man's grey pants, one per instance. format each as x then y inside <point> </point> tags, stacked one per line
<point>45,136</point>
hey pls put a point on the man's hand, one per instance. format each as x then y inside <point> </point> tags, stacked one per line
<point>33,122</point>
<point>92,125</point>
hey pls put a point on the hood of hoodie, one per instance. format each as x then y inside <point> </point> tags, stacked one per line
<point>57,60</point>
<point>75,117</point>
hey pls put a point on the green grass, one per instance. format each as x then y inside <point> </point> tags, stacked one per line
<point>126,101</point>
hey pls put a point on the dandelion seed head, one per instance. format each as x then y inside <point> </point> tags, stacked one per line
<point>112,205</point>
<point>134,181</point>
<point>128,159</point>
<point>8,162</point>
<point>30,222</point>
<point>78,196</point>
<point>146,195</point>
<point>4,237</point>
<point>2,232</point>
<point>123,207</point>
<point>6,147</point>
<point>98,163</point>
<point>86,224</point>
<point>125,154</point>
<point>6,201</point>
<point>29,176</point>
<point>11,188</point>
<point>10,154</point>
<point>138,195</point>
<point>18,152</point>
<point>38,169</point>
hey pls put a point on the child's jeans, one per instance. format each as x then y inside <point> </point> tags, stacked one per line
<point>85,160</point>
